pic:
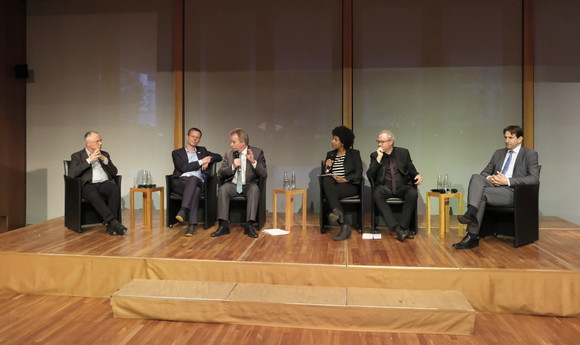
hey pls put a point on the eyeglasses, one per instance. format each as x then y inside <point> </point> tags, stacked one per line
<point>382,141</point>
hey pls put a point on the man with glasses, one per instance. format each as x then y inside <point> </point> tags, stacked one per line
<point>394,175</point>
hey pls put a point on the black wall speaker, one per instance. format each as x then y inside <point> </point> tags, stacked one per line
<point>21,71</point>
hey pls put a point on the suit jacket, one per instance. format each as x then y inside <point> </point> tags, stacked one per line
<point>181,161</point>
<point>526,168</point>
<point>405,165</point>
<point>80,168</point>
<point>226,173</point>
<point>352,165</point>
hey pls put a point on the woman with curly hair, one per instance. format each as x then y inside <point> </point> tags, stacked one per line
<point>344,167</point>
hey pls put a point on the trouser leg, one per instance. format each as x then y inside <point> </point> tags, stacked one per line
<point>105,198</point>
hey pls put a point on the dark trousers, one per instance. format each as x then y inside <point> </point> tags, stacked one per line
<point>407,193</point>
<point>190,188</point>
<point>105,198</point>
<point>335,191</point>
<point>228,190</point>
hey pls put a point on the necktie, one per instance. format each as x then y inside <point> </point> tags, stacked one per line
<point>239,179</point>
<point>392,168</point>
<point>507,164</point>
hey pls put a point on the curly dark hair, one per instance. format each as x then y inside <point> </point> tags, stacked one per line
<point>345,135</point>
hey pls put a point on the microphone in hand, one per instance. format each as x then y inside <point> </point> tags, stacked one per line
<point>237,156</point>
<point>329,162</point>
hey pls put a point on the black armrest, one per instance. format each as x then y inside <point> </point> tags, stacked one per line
<point>262,203</point>
<point>72,203</point>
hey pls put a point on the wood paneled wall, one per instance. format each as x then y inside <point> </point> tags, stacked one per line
<point>12,115</point>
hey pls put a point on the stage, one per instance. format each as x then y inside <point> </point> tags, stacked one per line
<point>542,278</point>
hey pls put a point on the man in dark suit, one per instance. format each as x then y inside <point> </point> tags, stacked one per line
<point>190,164</point>
<point>241,170</point>
<point>97,172</point>
<point>394,174</point>
<point>508,167</point>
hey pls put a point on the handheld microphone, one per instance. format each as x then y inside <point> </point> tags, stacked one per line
<point>237,155</point>
<point>328,168</point>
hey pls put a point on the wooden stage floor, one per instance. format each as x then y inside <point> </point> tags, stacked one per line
<point>556,249</point>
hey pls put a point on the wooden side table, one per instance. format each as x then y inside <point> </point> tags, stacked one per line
<point>290,207</point>
<point>443,211</point>
<point>147,205</point>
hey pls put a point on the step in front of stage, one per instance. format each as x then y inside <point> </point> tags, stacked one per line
<point>336,308</point>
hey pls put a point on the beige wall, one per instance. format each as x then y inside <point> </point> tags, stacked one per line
<point>445,76</point>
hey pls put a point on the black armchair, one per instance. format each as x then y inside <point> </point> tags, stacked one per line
<point>77,211</point>
<point>520,220</point>
<point>238,206</point>
<point>352,206</point>
<point>207,211</point>
<point>396,205</point>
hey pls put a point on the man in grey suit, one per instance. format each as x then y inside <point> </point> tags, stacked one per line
<point>241,169</point>
<point>514,165</point>
<point>97,171</point>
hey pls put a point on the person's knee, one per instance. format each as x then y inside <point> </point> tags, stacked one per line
<point>476,177</point>
<point>411,194</point>
<point>378,195</point>
<point>253,189</point>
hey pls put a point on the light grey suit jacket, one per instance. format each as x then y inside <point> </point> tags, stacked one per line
<point>526,168</point>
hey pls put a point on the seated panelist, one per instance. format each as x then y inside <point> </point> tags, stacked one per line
<point>97,173</point>
<point>190,164</point>
<point>343,166</point>
<point>240,170</point>
<point>494,185</point>
<point>394,174</point>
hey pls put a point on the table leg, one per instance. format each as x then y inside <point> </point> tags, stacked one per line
<point>162,208</point>
<point>132,209</point>
<point>275,210</point>
<point>289,211</point>
<point>428,214</point>
<point>304,207</point>
<point>441,216</point>
<point>150,208</point>
<point>446,216</point>
<point>145,209</point>
<point>460,226</point>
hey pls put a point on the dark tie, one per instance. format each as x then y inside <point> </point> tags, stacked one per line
<point>392,168</point>
<point>507,164</point>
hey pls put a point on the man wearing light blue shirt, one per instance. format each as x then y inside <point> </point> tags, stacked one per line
<point>508,167</point>
<point>190,164</point>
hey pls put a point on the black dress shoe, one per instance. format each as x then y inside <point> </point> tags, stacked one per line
<point>190,230</point>
<point>250,231</point>
<point>401,233</point>
<point>469,241</point>
<point>222,230</point>
<point>118,227</point>
<point>468,220</point>
<point>345,231</point>
<point>111,231</point>
<point>336,216</point>
<point>182,215</point>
